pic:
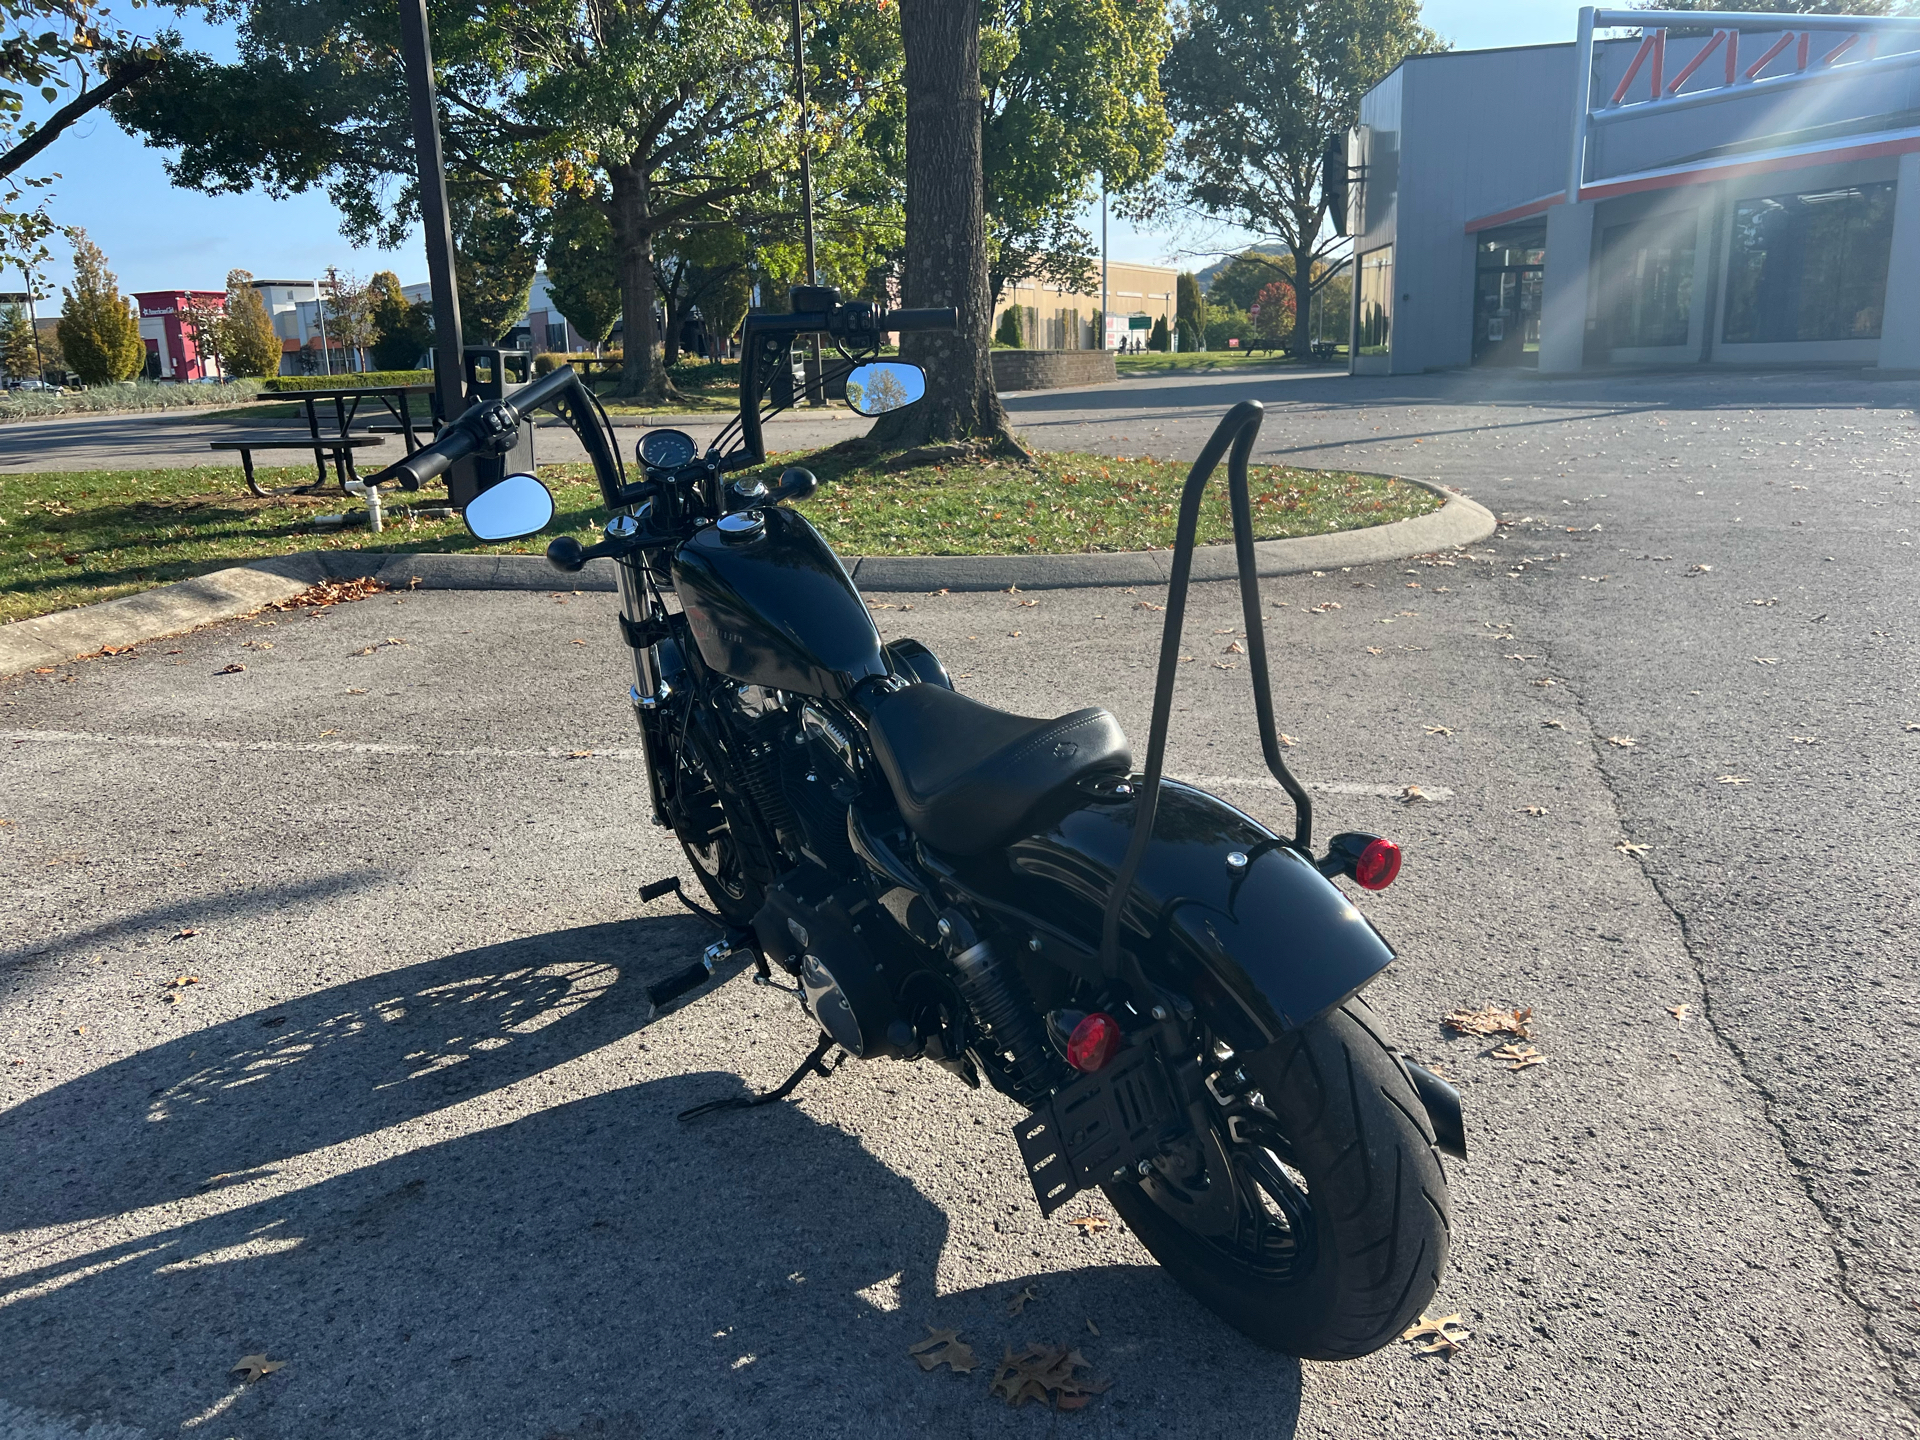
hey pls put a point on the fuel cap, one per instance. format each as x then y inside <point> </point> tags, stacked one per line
<point>741,526</point>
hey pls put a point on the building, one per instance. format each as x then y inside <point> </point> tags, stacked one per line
<point>299,320</point>
<point>1055,319</point>
<point>1736,193</point>
<point>172,351</point>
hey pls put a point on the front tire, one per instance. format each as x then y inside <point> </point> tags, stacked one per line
<point>1343,1232</point>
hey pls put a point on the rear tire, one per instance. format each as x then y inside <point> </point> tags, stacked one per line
<point>1346,1260</point>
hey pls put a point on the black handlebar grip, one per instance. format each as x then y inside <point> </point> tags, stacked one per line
<point>566,553</point>
<point>943,318</point>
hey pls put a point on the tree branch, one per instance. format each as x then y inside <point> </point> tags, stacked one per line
<point>123,76</point>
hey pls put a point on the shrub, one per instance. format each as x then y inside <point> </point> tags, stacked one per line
<point>286,384</point>
<point>1008,333</point>
<point>1158,339</point>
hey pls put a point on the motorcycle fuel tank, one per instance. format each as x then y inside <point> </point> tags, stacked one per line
<point>770,604</point>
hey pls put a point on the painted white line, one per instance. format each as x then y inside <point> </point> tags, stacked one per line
<point>496,752</point>
<point>314,747</point>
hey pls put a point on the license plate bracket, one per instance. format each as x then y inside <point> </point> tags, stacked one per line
<point>1097,1128</point>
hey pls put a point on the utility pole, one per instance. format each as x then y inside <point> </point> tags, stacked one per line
<point>819,396</point>
<point>1104,302</point>
<point>449,353</point>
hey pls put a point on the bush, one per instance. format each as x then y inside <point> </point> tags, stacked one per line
<point>1159,340</point>
<point>285,384</point>
<point>548,361</point>
<point>1189,337</point>
<point>1225,323</point>
<point>124,396</point>
<point>1008,334</point>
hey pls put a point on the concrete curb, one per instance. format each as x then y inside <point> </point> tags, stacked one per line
<point>225,594</point>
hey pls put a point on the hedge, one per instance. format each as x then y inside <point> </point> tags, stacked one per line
<point>284,383</point>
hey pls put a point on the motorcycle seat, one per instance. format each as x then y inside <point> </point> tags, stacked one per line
<point>966,775</point>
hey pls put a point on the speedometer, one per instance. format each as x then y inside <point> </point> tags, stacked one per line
<point>667,449</point>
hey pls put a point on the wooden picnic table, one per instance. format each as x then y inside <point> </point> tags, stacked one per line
<point>338,443</point>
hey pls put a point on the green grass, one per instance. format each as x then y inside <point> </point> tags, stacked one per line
<point>74,537</point>
<point>1201,362</point>
<point>130,395</point>
<point>1069,502</point>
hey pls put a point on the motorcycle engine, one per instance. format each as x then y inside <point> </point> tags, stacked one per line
<point>818,939</point>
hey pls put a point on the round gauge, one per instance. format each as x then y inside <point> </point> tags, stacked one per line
<point>667,449</point>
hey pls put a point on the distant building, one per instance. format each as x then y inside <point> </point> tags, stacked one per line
<point>1743,192</point>
<point>171,350</point>
<point>305,348</point>
<point>1055,319</point>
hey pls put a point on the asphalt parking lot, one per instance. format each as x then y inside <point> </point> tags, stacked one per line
<point>409,1129</point>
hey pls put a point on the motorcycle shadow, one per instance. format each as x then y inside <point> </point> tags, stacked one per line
<point>589,1267</point>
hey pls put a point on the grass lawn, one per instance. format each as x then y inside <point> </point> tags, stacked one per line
<point>1202,362</point>
<point>74,537</point>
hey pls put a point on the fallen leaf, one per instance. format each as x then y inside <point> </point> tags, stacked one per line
<point>1413,795</point>
<point>1089,1224</point>
<point>1625,742</point>
<point>1699,569</point>
<point>1521,1055</point>
<point>1013,634</point>
<point>1766,660</point>
<point>579,642</point>
<point>579,754</point>
<point>1437,1337</point>
<point>255,1367</point>
<point>1289,740</point>
<point>1735,779</point>
<point>1533,810</point>
<point>185,934</point>
<point>1553,724</point>
<point>1092,1328</point>
<point>356,692</point>
<point>1815,739</point>
<point>1439,729</point>
<point>1147,605</point>
<point>1491,1020</point>
<point>1627,847</point>
<point>1678,1012</point>
<point>1375,650</point>
<point>1046,1373</point>
<point>943,1347</point>
<point>1323,607</point>
<point>1018,1303</point>
<point>1029,604</point>
<point>1235,648</point>
<point>1543,682</point>
<point>368,651</point>
<point>231,670</point>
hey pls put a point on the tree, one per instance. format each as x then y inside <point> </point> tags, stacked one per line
<point>349,316</point>
<point>203,321</point>
<point>946,250</point>
<point>1190,304</point>
<point>250,345</point>
<point>1251,136</point>
<point>1245,275</point>
<point>583,275</point>
<point>1272,315</point>
<point>1009,332</point>
<point>657,108</point>
<point>402,330</point>
<point>1158,339</point>
<point>99,333</point>
<point>494,259</point>
<point>21,357</point>
<point>704,269</point>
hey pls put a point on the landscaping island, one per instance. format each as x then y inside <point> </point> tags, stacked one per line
<point>71,538</point>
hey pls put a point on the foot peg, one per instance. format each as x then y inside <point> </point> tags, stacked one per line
<point>665,992</point>
<point>671,886</point>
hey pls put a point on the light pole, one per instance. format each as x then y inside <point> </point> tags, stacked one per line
<point>806,194</point>
<point>1103,262</point>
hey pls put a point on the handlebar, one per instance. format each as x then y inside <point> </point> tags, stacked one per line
<point>944,318</point>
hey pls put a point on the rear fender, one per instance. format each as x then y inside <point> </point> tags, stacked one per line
<point>1263,947</point>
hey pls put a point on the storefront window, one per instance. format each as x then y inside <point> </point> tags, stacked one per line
<point>1646,278</point>
<point>1376,300</point>
<point>1507,294</point>
<point>1809,267</point>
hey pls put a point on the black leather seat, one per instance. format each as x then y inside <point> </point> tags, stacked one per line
<point>965,774</point>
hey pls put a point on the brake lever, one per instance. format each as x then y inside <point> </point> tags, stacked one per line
<point>568,554</point>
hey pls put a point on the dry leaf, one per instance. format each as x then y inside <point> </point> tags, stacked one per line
<point>1765,660</point>
<point>185,934</point>
<point>1678,1012</point>
<point>1029,604</point>
<point>1553,724</point>
<point>1490,1021</point>
<point>1235,648</point>
<point>1439,729</point>
<point>1017,1303</point>
<point>1544,683</point>
<point>255,1367</point>
<point>1289,740</point>
<point>1046,1373</point>
<point>1625,742</point>
<point>231,670</point>
<point>1815,739</point>
<point>579,642</point>
<point>1147,605</point>
<point>368,651</point>
<point>1092,1328</point>
<point>1375,650</point>
<point>579,754</point>
<point>356,692</point>
<point>1734,779</point>
<point>1521,1055</point>
<point>1627,847</point>
<point>1699,569</point>
<point>1089,1224</point>
<point>943,1347</point>
<point>1413,795</point>
<point>1533,810</point>
<point>1437,1337</point>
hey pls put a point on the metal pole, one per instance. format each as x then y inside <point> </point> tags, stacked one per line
<point>39,360</point>
<point>449,353</point>
<point>815,397</point>
<point>1103,262</point>
<point>1582,105</point>
<point>320,309</point>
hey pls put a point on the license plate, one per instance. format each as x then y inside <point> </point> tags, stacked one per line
<point>1098,1128</point>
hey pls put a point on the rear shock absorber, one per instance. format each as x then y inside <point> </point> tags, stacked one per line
<point>998,997</point>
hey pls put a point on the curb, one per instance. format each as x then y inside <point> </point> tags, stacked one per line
<point>242,589</point>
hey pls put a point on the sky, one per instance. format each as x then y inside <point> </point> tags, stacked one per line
<point>159,237</point>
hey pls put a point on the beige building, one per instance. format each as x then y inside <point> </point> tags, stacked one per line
<point>1054,319</point>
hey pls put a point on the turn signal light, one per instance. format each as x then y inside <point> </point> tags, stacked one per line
<point>1377,865</point>
<point>1093,1041</point>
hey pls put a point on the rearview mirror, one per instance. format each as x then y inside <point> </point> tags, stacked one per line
<point>519,505</point>
<point>885,385</point>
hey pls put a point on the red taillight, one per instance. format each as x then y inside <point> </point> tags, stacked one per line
<point>1377,866</point>
<point>1093,1042</point>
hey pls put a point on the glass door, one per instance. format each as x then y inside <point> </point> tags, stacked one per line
<point>1507,289</point>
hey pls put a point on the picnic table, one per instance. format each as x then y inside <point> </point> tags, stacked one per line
<point>337,442</point>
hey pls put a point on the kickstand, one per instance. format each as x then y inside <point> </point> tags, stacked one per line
<point>815,1062</point>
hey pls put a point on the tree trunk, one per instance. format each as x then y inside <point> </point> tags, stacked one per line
<point>946,260</point>
<point>641,375</point>
<point>1300,343</point>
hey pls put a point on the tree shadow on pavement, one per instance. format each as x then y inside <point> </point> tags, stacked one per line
<point>222,1104</point>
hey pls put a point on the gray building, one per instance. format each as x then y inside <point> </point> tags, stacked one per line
<point>1713,189</point>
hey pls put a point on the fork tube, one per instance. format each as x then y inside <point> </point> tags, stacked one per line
<point>1239,429</point>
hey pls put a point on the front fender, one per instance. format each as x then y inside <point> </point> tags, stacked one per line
<point>1263,948</point>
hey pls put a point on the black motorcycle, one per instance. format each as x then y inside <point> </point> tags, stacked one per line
<point>1166,985</point>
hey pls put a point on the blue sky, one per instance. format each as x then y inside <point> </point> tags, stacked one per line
<point>157,236</point>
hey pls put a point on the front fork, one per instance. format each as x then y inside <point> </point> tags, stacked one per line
<point>651,690</point>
